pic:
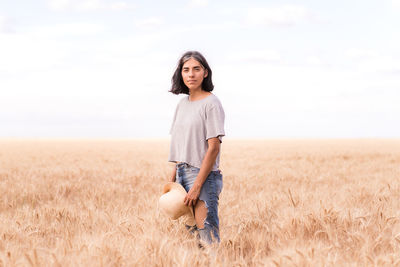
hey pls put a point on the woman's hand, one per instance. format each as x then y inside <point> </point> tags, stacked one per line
<point>192,196</point>
<point>206,166</point>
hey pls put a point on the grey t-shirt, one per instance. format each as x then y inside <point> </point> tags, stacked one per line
<point>194,123</point>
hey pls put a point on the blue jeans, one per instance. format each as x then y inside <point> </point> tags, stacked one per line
<point>186,175</point>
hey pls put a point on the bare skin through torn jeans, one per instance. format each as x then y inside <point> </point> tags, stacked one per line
<point>212,187</point>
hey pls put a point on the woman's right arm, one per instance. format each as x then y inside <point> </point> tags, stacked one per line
<point>173,175</point>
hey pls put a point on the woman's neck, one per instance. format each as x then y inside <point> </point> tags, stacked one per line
<point>198,94</point>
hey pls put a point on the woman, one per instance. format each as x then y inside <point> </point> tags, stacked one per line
<point>196,134</point>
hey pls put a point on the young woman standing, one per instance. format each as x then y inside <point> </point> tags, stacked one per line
<point>196,135</point>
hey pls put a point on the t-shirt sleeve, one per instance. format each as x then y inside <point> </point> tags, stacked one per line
<point>215,118</point>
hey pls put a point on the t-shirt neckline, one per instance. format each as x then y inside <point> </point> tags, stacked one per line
<point>199,99</point>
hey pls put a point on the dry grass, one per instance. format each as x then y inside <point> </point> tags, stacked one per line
<point>284,202</point>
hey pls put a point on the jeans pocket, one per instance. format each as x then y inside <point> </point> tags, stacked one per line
<point>194,169</point>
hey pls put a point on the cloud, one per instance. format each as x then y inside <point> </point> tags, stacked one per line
<point>87,5</point>
<point>371,61</point>
<point>396,3</point>
<point>149,22</point>
<point>283,16</point>
<point>383,65</point>
<point>68,29</point>
<point>198,3</point>
<point>21,53</point>
<point>120,6</point>
<point>45,47</point>
<point>255,56</point>
<point>59,4</point>
<point>7,25</point>
<point>361,54</point>
<point>314,61</point>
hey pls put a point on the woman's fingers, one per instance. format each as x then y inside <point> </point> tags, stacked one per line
<point>190,198</point>
<point>189,201</point>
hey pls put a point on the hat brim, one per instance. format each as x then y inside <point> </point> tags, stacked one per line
<point>171,203</point>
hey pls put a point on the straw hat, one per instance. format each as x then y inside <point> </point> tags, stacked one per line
<point>171,203</point>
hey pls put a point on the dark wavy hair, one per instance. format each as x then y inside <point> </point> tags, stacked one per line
<point>178,86</point>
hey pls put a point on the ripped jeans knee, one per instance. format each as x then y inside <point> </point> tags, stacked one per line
<point>212,187</point>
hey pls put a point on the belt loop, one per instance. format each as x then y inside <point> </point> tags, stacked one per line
<point>179,164</point>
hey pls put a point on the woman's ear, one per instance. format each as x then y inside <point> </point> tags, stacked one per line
<point>205,73</point>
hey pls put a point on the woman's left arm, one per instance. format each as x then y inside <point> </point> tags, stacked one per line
<point>205,169</point>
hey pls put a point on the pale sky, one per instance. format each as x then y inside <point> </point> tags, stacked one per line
<point>281,69</point>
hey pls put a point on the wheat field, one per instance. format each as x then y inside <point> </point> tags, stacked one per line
<point>284,203</point>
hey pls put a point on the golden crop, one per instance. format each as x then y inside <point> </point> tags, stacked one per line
<point>284,203</point>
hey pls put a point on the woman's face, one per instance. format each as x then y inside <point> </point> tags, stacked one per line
<point>193,74</point>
